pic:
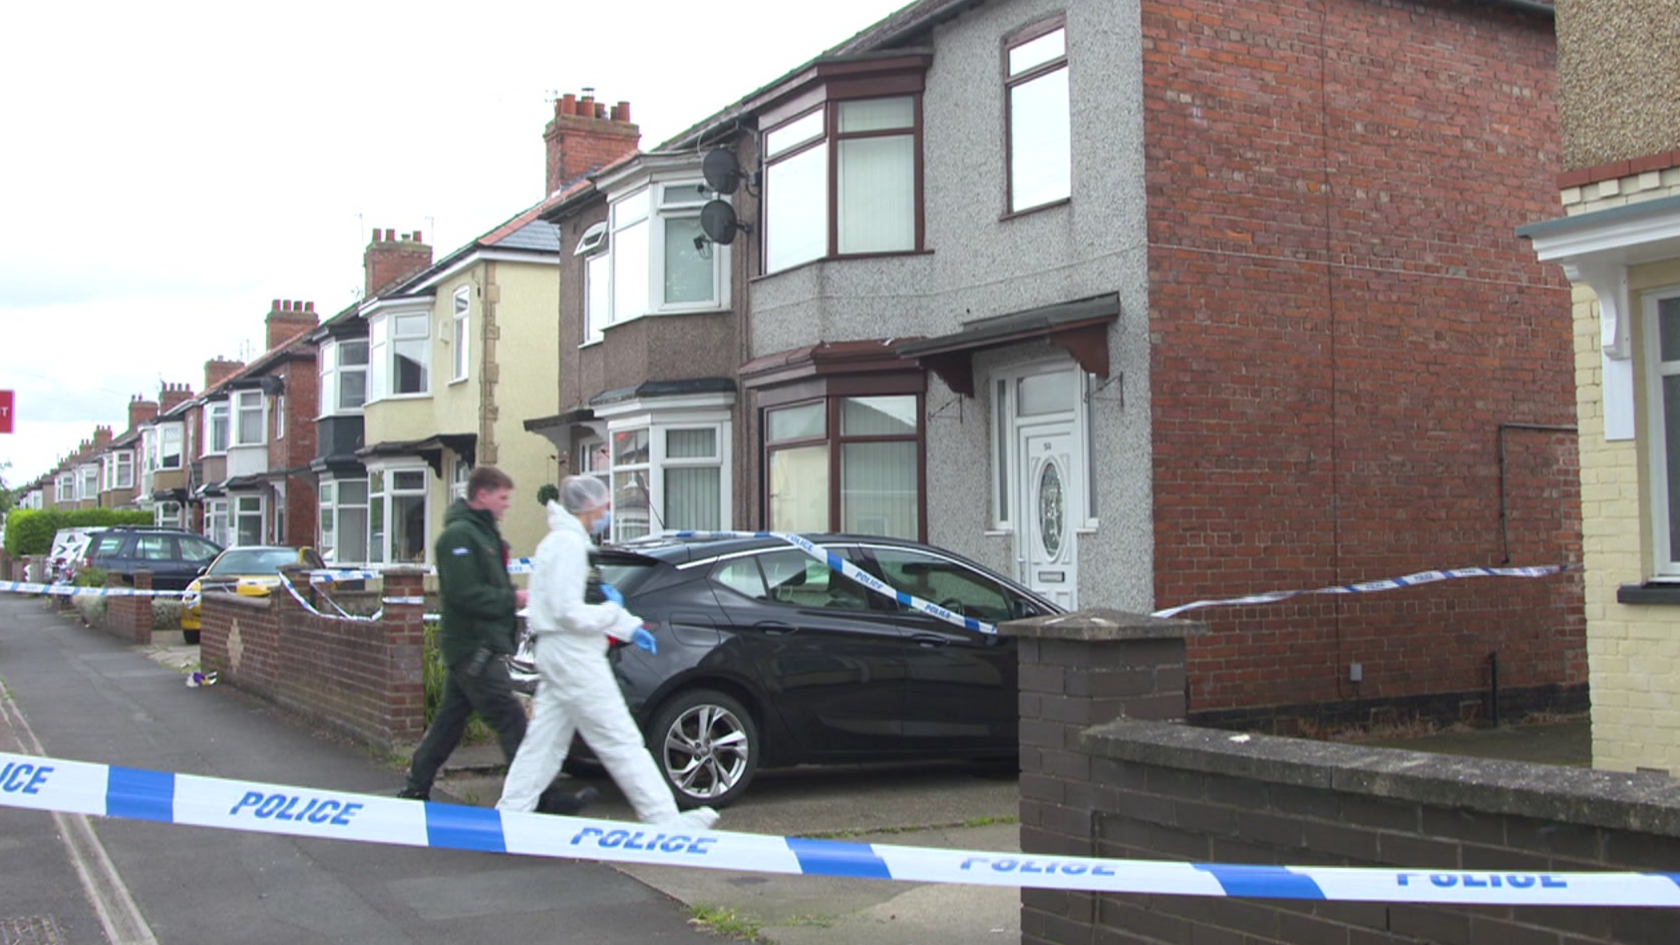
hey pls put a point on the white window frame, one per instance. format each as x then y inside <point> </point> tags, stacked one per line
<point>609,290</point>
<point>124,468</point>
<point>329,528</point>
<point>382,352</point>
<point>459,472</point>
<point>701,411</point>
<point>1039,67</point>
<point>382,488</point>
<point>167,514</point>
<point>87,482</point>
<point>244,402</point>
<point>334,369</point>
<point>176,432</point>
<point>217,522</point>
<point>460,334</point>
<point>218,426</point>
<point>1665,557</point>
<point>279,416</point>
<point>65,491</point>
<point>246,507</point>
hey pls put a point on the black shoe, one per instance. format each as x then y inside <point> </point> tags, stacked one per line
<point>557,801</point>
<point>410,794</point>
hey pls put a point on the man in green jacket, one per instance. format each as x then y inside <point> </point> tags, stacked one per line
<point>479,630</point>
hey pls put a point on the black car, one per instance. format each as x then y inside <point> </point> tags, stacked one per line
<point>173,555</point>
<point>768,657</point>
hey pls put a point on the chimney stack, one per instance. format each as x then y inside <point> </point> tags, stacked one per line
<point>218,370</point>
<point>139,411</point>
<point>389,260</point>
<point>171,396</point>
<point>101,437</point>
<point>286,318</point>
<point>585,136</point>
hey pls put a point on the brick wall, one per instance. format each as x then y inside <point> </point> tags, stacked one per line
<point>1342,320</point>
<point>1137,788</point>
<point>361,677</point>
<point>129,617</point>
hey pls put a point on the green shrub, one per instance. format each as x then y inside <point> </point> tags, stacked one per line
<point>90,577</point>
<point>166,613</point>
<point>546,493</point>
<point>31,531</point>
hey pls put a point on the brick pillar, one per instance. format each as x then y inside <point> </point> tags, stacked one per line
<point>1078,671</point>
<point>130,616</point>
<point>405,637</point>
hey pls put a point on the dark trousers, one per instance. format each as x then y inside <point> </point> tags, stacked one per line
<point>490,694</point>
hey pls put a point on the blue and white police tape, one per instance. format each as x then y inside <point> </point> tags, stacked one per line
<point>855,573</point>
<point>328,575</point>
<point>74,787</point>
<point>1387,584</point>
<point>71,590</point>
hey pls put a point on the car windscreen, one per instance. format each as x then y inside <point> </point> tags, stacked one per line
<point>623,571</point>
<point>254,561</point>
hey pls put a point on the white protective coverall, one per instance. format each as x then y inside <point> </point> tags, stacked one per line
<point>576,691</point>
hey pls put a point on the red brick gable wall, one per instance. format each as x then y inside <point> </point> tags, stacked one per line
<point>1342,319</point>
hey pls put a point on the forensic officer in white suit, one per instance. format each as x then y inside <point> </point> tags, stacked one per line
<point>576,691</point>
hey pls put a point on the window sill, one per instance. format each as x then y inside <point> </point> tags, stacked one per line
<point>457,380</point>
<point>1016,214</point>
<point>398,397</point>
<point>1651,592</point>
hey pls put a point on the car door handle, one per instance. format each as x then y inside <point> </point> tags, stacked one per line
<point>775,628</point>
<point>929,640</point>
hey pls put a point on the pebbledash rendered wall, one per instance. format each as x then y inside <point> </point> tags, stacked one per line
<point>1108,769</point>
<point>363,678</point>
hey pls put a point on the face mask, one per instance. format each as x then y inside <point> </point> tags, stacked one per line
<point>603,525</point>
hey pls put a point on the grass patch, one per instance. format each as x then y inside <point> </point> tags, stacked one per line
<point>726,922</point>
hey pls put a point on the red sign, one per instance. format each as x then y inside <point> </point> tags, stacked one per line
<point>6,411</point>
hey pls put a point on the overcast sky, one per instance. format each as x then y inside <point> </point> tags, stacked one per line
<point>172,167</point>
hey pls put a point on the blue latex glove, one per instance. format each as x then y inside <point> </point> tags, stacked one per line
<point>645,640</point>
<point>611,593</point>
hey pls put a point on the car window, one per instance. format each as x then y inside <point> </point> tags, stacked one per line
<point>742,576</point>
<point>193,549</point>
<point>951,585</point>
<point>253,561</point>
<point>793,577</point>
<point>154,548</point>
<point>105,545</point>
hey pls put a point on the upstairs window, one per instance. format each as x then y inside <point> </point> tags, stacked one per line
<point>399,355</point>
<point>124,470</point>
<point>645,258</point>
<point>216,428</point>
<point>280,416</point>
<point>597,281</point>
<point>89,483</point>
<point>344,366</point>
<point>248,418</point>
<point>169,446</point>
<point>843,179</point>
<point>1040,133</point>
<point>458,332</point>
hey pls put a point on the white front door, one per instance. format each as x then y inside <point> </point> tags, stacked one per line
<point>1049,509</point>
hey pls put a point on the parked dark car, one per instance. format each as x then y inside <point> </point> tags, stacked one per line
<point>174,556</point>
<point>768,657</point>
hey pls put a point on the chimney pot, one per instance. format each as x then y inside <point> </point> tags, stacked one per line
<point>309,306</point>
<point>622,112</point>
<point>417,238</point>
<point>274,306</point>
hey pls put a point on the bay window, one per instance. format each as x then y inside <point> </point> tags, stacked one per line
<point>1662,344</point>
<point>397,516</point>
<point>216,428</point>
<point>643,259</point>
<point>344,521</point>
<point>1039,120</point>
<point>344,376</point>
<point>279,416</point>
<point>844,177</point>
<point>248,418</point>
<point>124,462</point>
<point>88,485</point>
<point>845,463</point>
<point>216,521</point>
<point>247,525</point>
<point>170,449</point>
<point>458,333</point>
<point>669,475</point>
<point>399,355</point>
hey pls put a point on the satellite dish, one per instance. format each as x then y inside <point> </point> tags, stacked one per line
<point>717,221</point>
<point>722,171</point>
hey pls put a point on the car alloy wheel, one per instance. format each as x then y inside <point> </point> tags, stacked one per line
<point>707,746</point>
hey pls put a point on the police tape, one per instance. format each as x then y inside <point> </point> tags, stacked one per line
<point>1386,584</point>
<point>71,590</point>
<point>329,575</point>
<point>74,787</point>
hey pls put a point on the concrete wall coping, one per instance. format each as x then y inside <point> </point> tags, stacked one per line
<point>1646,803</point>
<point>1101,624</point>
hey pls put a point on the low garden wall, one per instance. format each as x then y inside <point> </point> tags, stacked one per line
<point>364,678</point>
<point>1107,771</point>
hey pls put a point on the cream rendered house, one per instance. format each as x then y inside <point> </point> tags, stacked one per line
<point>1619,245</point>
<point>457,356</point>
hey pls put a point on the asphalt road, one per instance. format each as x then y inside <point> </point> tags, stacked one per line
<point>75,693</point>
